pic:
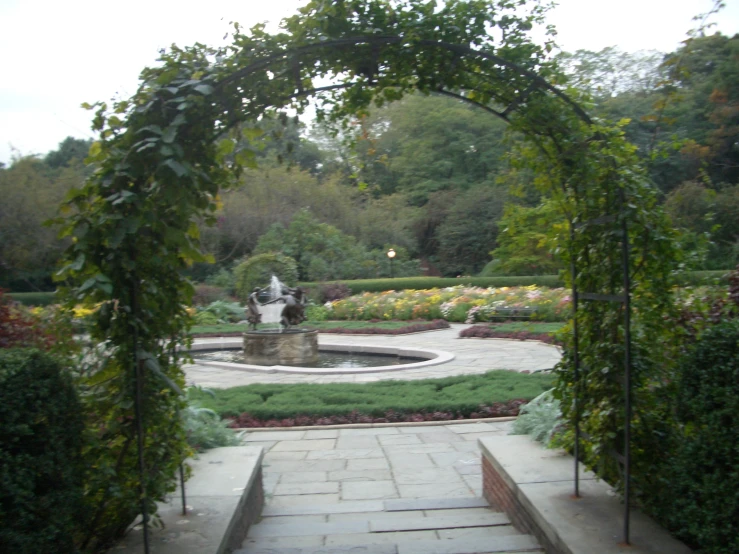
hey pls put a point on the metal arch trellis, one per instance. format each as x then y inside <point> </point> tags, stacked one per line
<point>295,57</point>
<point>229,87</point>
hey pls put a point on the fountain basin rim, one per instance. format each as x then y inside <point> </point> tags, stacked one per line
<point>263,332</point>
<point>431,357</point>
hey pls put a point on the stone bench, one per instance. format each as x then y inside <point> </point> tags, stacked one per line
<point>505,314</point>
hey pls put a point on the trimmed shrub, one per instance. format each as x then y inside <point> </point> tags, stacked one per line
<point>40,451</point>
<point>316,313</point>
<point>206,294</point>
<point>328,292</point>
<point>224,312</point>
<point>497,409</point>
<point>410,328</point>
<point>206,318</point>
<point>553,281</point>
<point>420,283</point>
<point>698,278</point>
<point>34,298</point>
<point>484,332</point>
<point>258,270</point>
<point>462,396</point>
<point>223,279</point>
<point>698,499</point>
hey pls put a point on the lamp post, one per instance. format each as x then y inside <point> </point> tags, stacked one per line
<point>391,255</point>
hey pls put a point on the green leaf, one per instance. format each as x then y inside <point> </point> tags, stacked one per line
<point>179,169</point>
<point>225,147</point>
<point>203,89</point>
<point>95,149</point>
<point>87,285</point>
<point>252,133</point>
<point>169,134</point>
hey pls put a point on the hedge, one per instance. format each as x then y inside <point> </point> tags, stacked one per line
<point>258,270</point>
<point>697,278</point>
<point>697,494</point>
<point>357,286</point>
<point>402,283</point>
<point>41,439</point>
<point>34,298</point>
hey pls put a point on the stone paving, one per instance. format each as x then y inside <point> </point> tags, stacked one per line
<point>470,356</point>
<point>406,489</point>
<point>395,490</point>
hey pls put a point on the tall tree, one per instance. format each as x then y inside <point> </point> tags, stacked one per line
<point>32,193</point>
<point>470,230</point>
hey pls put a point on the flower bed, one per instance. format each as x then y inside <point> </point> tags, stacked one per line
<point>482,332</point>
<point>413,328</point>
<point>461,304</point>
<point>497,409</point>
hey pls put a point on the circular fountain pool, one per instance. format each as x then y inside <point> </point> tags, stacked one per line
<point>326,359</point>
<point>333,358</point>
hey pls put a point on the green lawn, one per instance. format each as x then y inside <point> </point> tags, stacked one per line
<point>530,326</point>
<point>463,394</point>
<point>233,328</point>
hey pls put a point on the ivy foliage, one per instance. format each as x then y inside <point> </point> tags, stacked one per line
<point>163,155</point>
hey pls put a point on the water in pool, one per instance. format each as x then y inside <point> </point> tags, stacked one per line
<point>326,359</point>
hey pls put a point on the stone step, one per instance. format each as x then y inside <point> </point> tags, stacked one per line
<point>481,545</point>
<point>338,549</point>
<point>438,522</point>
<point>398,526</point>
<point>365,545</point>
<point>402,504</point>
<point>379,525</point>
<point>335,508</point>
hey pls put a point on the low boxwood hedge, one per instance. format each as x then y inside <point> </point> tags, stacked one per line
<point>41,439</point>
<point>34,298</point>
<point>357,286</point>
<point>401,283</point>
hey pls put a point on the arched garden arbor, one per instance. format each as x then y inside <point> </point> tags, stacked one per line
<point>164,154</point>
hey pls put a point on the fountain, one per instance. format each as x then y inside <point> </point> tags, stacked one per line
<point>284,345</point>
<point>280,347</point>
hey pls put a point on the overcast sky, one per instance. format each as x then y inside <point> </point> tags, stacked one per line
<point>58,54</point>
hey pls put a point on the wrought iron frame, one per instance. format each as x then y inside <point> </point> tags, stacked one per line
<point>293,58</point>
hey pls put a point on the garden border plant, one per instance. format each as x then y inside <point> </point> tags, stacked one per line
<point>163,155</point>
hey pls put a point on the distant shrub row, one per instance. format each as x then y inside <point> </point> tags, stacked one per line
<point>378,285</point>
<point>34,298</point>
<point>696,278</point>
<point>690,278</point>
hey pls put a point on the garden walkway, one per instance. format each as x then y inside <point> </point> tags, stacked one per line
<point>410,489</point>
<point>404,489</point>
<point>470,356</point>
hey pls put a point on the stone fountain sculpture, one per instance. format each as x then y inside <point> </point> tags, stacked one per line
<point>253,315</point>
<point>283,346</point>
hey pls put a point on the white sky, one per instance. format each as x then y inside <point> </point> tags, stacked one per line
<point>56,55</point>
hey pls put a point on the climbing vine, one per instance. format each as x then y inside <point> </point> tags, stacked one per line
<point>163,155</point>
